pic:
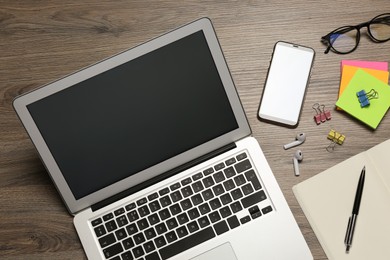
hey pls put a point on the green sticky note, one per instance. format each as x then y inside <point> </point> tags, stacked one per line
<point>372,114</point>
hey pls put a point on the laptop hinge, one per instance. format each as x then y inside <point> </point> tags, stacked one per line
<point>161,177</point>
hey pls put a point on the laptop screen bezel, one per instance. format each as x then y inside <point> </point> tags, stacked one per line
<point>74,205</point>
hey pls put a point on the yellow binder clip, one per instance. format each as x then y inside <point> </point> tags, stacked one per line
<point>336,138</point>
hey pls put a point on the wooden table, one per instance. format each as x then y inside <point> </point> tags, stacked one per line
<point>41,41</point>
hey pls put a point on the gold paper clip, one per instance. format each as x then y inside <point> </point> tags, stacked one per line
<point>336,138</point>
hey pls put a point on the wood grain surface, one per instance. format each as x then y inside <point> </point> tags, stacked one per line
<point>41,41</point>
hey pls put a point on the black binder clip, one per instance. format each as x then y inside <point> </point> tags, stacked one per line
<point>364,98</point>
<point>322,115</point>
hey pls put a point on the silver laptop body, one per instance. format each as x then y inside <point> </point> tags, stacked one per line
<point>151,152</point>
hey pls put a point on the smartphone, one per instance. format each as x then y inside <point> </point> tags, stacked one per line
<point>286,83</point>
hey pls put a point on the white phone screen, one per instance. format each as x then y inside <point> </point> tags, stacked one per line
<point>286,83</point>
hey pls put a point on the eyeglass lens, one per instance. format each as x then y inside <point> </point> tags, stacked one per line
<point>345,39</point>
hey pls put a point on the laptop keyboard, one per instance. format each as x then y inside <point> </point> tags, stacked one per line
<point>185,214</point>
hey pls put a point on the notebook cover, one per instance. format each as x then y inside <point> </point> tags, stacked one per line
<point>327,201</point>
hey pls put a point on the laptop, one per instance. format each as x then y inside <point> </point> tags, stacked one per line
<point>152,153</point>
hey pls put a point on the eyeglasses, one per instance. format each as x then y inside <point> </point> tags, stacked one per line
<point>345,39</point>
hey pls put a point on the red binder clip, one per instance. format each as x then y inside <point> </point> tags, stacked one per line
<point>322,115</point>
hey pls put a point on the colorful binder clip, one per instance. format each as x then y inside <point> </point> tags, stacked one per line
<point>321,114</point>
<point>364,98</point>
<point>336,138</point>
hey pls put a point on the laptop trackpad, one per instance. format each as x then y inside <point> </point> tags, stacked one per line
<point>224,251</point>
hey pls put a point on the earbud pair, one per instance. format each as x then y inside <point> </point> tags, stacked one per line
<point>298,156</point>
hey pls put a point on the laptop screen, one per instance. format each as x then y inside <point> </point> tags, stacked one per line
<point>136,115</point>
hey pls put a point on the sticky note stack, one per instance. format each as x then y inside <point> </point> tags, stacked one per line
<point>364,75</point>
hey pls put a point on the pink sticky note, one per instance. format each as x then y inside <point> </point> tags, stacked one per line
<point>377,65</point>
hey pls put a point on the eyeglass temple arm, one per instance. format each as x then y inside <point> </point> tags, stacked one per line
<point>325,40</point>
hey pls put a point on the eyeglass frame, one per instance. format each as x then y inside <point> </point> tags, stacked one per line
<point>326,39</point>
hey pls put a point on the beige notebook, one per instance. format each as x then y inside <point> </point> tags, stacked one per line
<point>327,200</point>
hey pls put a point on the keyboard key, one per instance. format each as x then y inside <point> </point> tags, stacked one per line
<point>230,161</point>
<point>153,256</point>
<point>207,194</point>
<point>233,222</point>
<point>219,176</point>
<point>225,211</point>
<point>154,206</point>
<point>110,226</point>
<point>239,180</point>
<point>161,228</point>
<point>182,231</point>
<point>165,201</point>
<point>252,177</point>
<point>100,231</point>
<point>218,189</point>
<point>219,166</point>
<point>141,201</point>
<point>203,222</point>
<point>175,186</point>
<point>139,238</point>
<point>266,210</point>
<point>149,247</point>
<point>185,204</point>
<point>237,194</point>
<point>193,213</point>
<point>133,216</point>
<point>107,240</point>
<point>215,204</point>
<point>254,211</point>
<point>164,191</point>
<point>192,226</point>
<point>108,216</point>
<point>253,199</point>
<point>175,209</point>
<point>130,206</point>
<point>96,222</point>
<point>226,199</point>
<point>171,223</point>
<point>171,236</point>
<point>204,208</point>
<point>142,224</point>
<point>138,251</point>
<point>182,218</point>
<point>160,241</point>
<point>214,216</point>
<point>221,227</point>
<point>186,181</point>
<point>153,196</point>
<point>208,182</point>
<point>127,256</point>
<point>119,211</point>
<point>243,166</point>
<point>164,214</point>
<point>132,229</point>
<point>245,220</point>
<point>241,156</point>
<point>176,196</point>
<point>150,233</point>
<point>197,186</point>
<point>196,199</point>
<point>247,189</point>
<point>208,171</point>
<point>229,185</point>
<point>187,191</point>
<point>143,211</point>
<point>197,176</point>
<point>128,243</point>
<point>121,221</point>
<point>187,243</point>
<point>236,206</point>
<point>229,172</point>
<point>153,219</point>
<point>120,234</point>
<point>113,250</point>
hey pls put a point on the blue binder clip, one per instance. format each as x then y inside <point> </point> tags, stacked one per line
<point>364,98</point>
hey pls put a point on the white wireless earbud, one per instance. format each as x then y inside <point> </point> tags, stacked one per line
<point>299,140</point>
<point>298,156</point>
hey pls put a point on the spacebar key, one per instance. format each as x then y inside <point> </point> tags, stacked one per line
<point>187,243</point>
